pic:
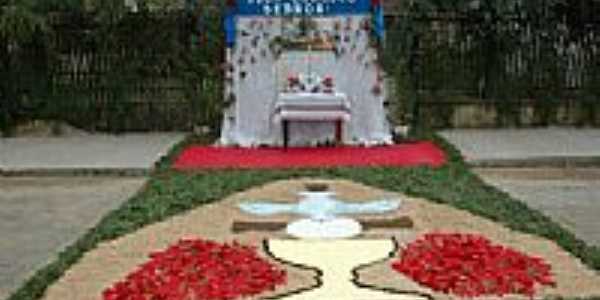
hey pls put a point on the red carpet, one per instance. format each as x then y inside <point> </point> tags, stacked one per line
<point>404,155</point>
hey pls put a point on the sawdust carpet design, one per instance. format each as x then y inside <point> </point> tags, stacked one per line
<point>112,261</point>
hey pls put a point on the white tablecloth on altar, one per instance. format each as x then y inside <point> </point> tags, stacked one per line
<point>312,107</point>
<point>311,98</point>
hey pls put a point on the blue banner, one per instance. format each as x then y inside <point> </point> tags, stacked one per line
<point>379,21</point>
<point>284,8</point>
<point>230,27</point>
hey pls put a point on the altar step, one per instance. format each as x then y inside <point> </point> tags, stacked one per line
<point>402,155</point>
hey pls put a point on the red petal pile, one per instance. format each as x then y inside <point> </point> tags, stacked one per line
<point>470,266</point>
<point>198,269</point>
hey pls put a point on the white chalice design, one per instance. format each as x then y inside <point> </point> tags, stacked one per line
<point>323,244</point>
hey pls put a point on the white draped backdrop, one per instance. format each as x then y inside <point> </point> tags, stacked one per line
<point>249,121</point>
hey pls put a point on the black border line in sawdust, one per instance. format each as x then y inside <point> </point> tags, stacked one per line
<point>391,291</point>
<point>319,272</point>
<point>354,280</point>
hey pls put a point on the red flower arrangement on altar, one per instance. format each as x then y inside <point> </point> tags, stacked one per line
<point>293,80</point>
<point>328,85</point>
<point>199,269</point>
<point>469,265</point>
<point>328,82</point>
<point>300,83</point>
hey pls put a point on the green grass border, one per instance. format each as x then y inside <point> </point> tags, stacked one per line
<point>168,193</point>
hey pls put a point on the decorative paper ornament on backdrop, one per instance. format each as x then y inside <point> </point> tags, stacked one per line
<point>366,25</point>
<point>376,90</point>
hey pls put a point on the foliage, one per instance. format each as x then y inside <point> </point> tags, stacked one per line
<point>203,68</point>
<point>18,24</point>
<point>92,62</point>
<point>22,60</point>
<point>169,193</point>
<point>497,51</point>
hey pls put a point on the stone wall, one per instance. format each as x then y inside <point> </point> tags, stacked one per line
<point>512,114</point>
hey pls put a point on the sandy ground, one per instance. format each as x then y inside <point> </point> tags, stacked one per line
<point>112,261</point>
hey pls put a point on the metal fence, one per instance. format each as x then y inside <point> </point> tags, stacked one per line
<point>116,77</point>
<point>519,72</point>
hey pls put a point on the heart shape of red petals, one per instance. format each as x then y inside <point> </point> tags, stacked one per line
<point>470,265</point>
<point>199,269</point>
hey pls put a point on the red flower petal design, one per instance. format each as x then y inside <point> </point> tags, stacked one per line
<point>469,265</point>
<point>199,269</point>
